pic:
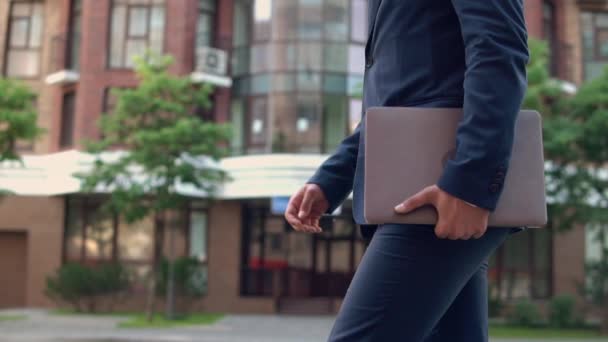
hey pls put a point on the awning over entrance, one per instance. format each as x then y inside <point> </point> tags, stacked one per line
<point>252,176</point>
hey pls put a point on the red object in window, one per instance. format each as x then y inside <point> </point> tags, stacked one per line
<point>269,264</point>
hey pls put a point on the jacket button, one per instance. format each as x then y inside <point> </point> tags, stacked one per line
<point>369,61</point>
<point>500,174</point>
<point>494,187</point>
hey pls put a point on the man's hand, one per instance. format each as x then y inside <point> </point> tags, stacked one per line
<point>457,219</point>
<point>305,208</point>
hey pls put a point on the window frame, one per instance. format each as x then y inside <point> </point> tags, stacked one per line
<point>126,36</point>
<point>72,61</point>
<point>84,205</point>
<point>9,37</point>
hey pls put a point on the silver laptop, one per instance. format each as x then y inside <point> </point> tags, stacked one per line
<point>406,149</point>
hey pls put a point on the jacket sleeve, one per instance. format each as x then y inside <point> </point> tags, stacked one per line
<point>496,52</point>
<point>336,175</point>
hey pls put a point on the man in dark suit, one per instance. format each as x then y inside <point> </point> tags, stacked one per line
<point>430,53</point>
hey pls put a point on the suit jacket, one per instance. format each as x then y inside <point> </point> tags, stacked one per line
<point>441,53</point>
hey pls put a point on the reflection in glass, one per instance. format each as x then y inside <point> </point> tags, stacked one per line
<point>309,81</point>
<point>336,20</point>
<point>310,16</point>
<point>136,26</point>
<point>198,235</point>
<point>285,19</point>
<point>135,241</point>
<point>308,123</point>
<point>262,14</point>
<point>335,57</point>
<point>138,17</point>
<point>73,230</point>
<point>241,23</point>
<point>309,56</point>
<point>258,124</point>
<point>237,116</point>
<point>334,116</point>
<point>99,234</point>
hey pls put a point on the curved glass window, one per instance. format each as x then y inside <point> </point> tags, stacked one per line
<point>298,71</point>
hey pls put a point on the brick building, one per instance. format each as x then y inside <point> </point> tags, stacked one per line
<point>288,76</point>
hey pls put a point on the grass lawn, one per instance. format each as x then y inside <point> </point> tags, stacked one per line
<point>159,321</point>
<point>6,318</point>
<point>67,312</point>
<point>504,331</point>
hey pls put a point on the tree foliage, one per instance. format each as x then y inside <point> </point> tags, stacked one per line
<point>575,132</point>
<point>161,143</point>
<point>18,117</point>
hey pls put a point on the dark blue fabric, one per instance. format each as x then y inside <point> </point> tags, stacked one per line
<point>441,53</point>
<point>412,286</point>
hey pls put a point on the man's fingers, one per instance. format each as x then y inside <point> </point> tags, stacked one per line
<point>424,197</point>
<point>291,212</point>
<point>306,204</point>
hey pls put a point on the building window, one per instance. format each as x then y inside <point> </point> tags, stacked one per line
<point>205,24</point>
<point>25,29</point>
<point>521,267</point>
<point>594,27</point>
<point>94,236</point>
<point>258,123</point>
<point>297,66</point>
<point>73,62</point>
<point>549,34</point>
<point>262,15</point>
<point>204,30</point>
<point>67,120</point>
<point>137,26</point>
<point>336,20</point>
<point>277,261</point>
<point>198,235</point>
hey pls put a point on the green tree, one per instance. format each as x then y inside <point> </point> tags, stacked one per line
<point>576,143</point>
<point>542,89</point>
<point>18,118</point>
<point>163,145</point>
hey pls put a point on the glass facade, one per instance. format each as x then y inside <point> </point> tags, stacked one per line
<point>278,261</point>
<point>298,70</point>
<point>522,266</point>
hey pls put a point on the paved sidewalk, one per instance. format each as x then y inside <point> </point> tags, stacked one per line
<point>42,327</point>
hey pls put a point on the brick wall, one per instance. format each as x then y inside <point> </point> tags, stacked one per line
<point>225,263</point>
<point>47,95</point>
<point>42,219</point>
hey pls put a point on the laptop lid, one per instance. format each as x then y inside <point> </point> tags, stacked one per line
<point>406,149</point>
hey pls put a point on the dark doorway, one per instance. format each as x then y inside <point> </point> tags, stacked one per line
<point>289,265</point>
<point>13,269</point>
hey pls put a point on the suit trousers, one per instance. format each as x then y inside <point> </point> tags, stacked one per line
<point>412,286</point>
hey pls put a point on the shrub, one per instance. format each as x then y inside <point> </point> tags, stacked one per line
<point>190,277</point>
<point>525,313</point>
<point>561,311</point>
<point>495,306</point>
<point>79,285</point>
